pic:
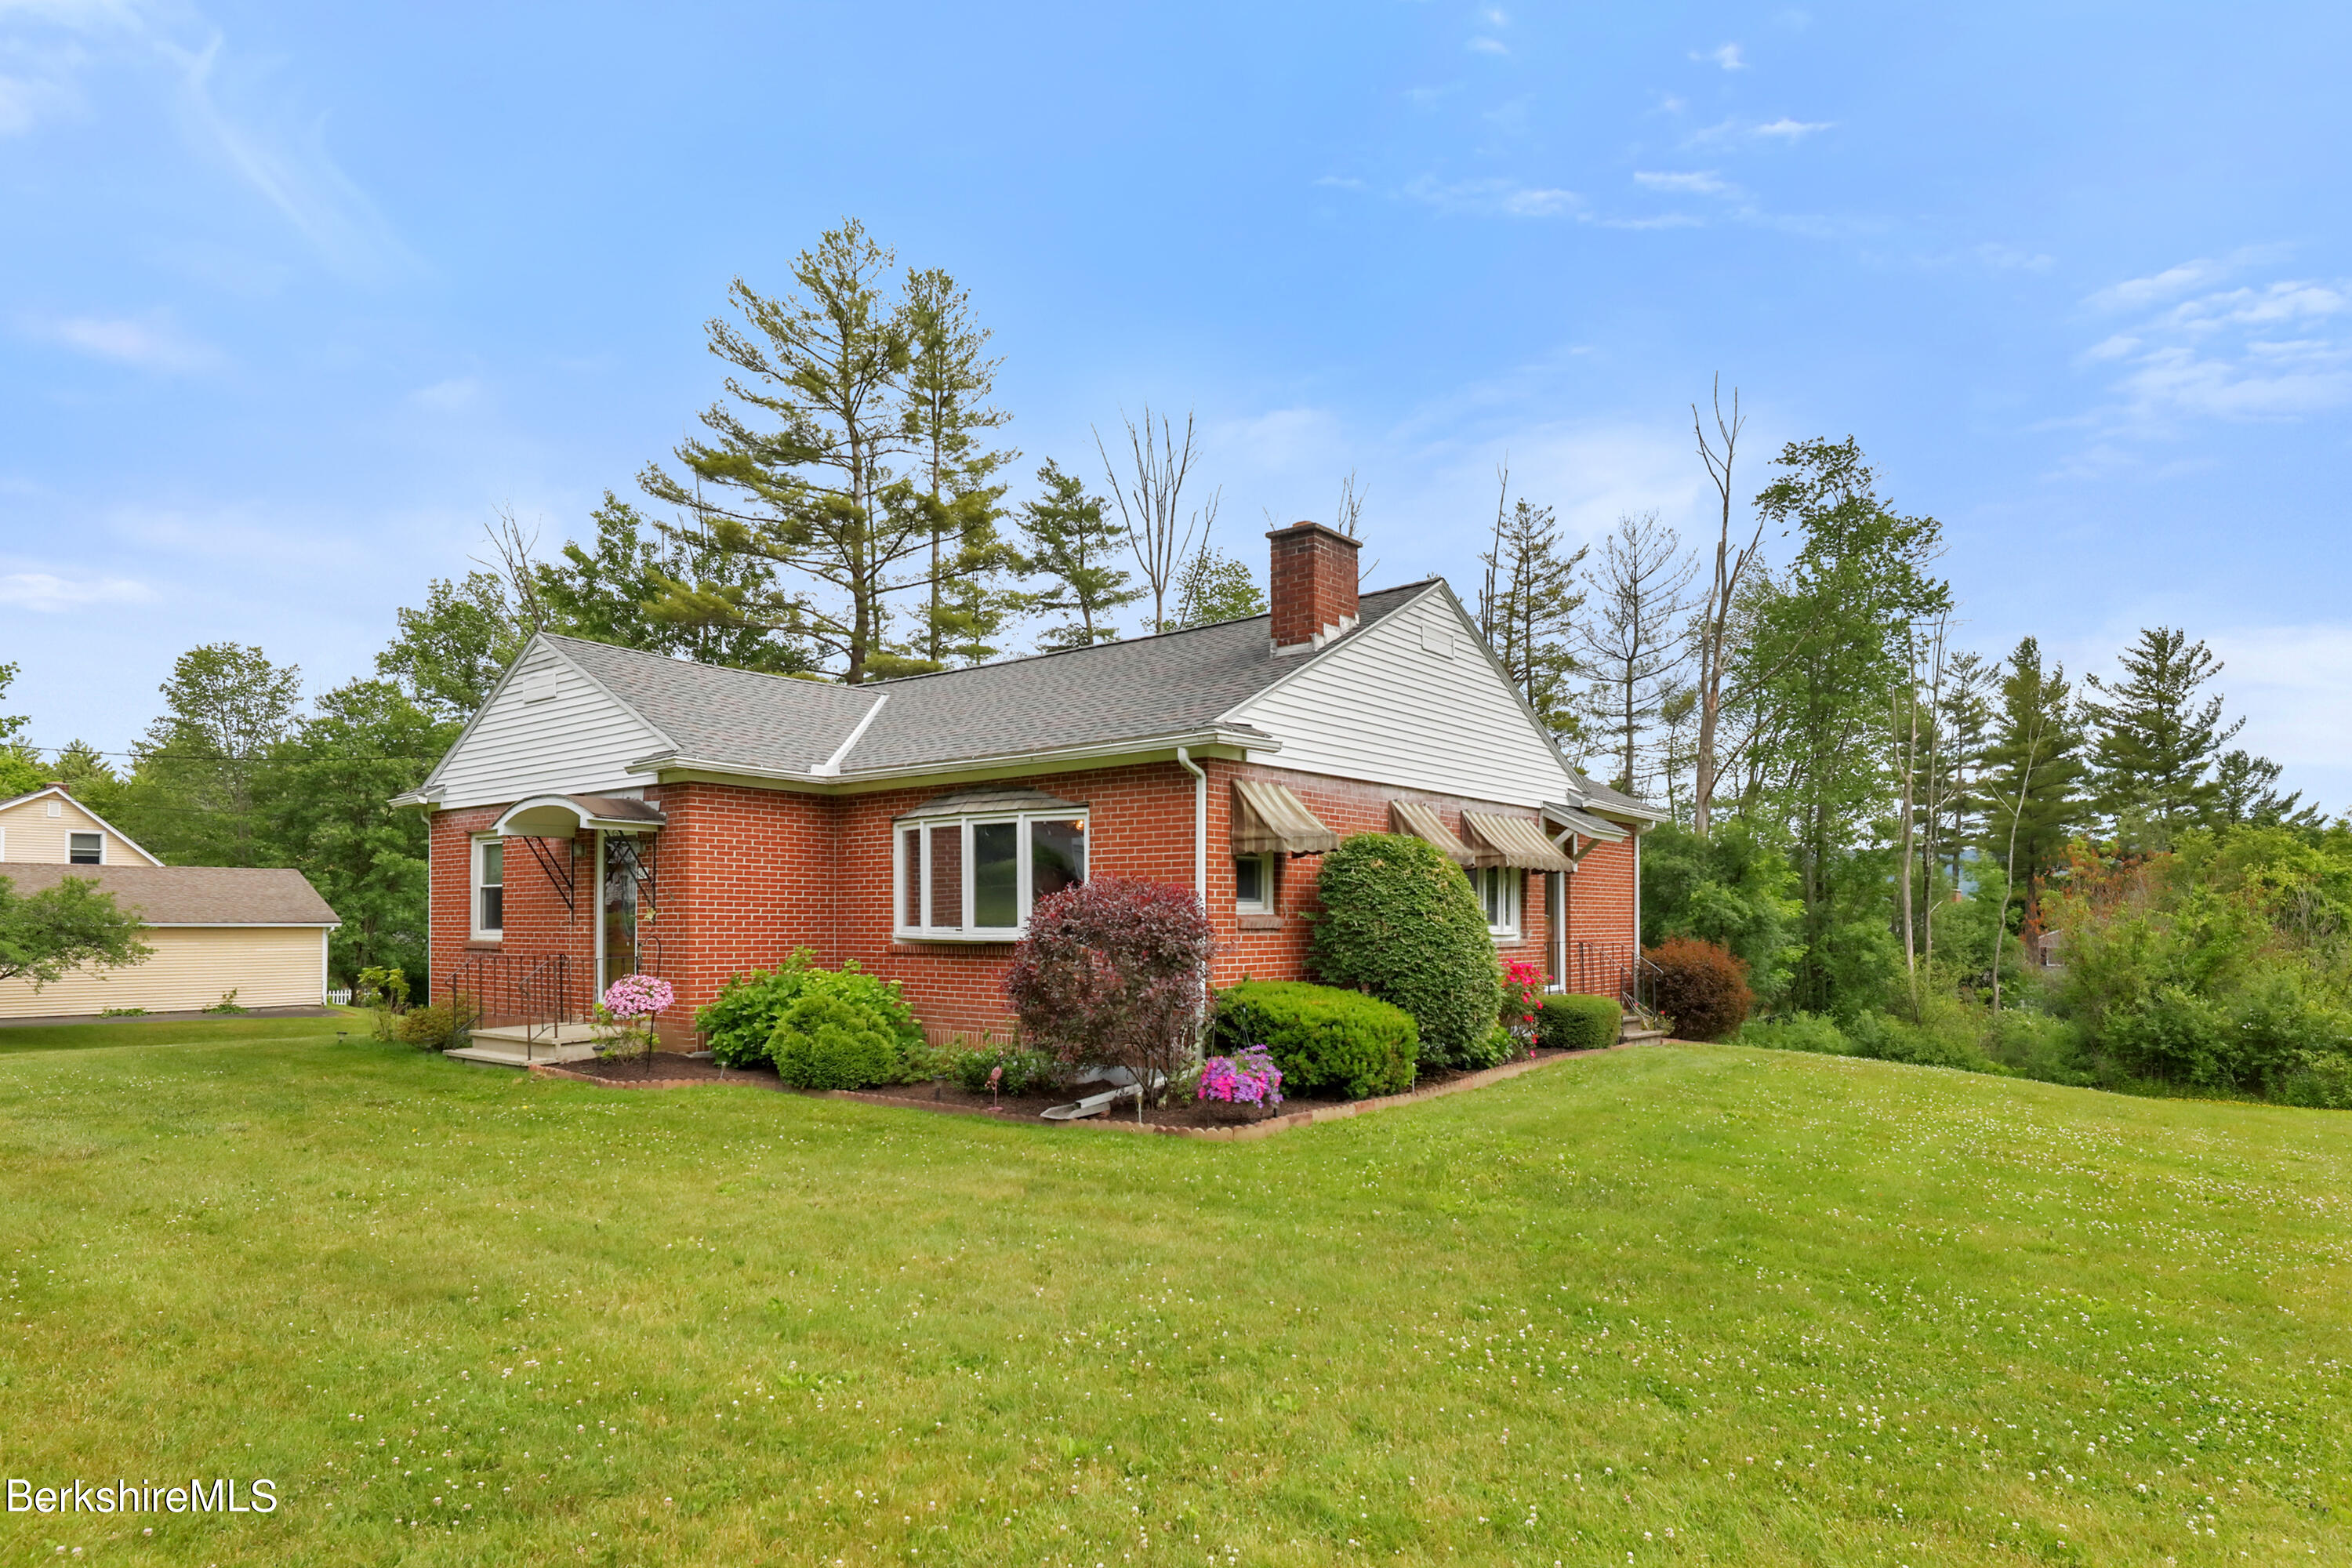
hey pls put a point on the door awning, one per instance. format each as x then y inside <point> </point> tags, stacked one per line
<point>1517,841</point>
<point>1270,820</point>
<point>561,816</point>
<point>1419,821</point>
<point>1583,822</point>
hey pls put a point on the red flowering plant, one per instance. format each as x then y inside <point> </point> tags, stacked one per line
<point>1522,995</point>
<point>1114,970</point>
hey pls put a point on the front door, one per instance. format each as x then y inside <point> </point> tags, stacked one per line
<point>617,910</point>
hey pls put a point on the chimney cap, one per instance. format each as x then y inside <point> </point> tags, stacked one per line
<point>1310,526</point>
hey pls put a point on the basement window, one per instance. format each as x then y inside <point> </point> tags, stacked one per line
<point>976,879</point>
<point>1253,884</point>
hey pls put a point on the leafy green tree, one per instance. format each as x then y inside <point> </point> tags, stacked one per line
<point>1214,587</point>
<point>608,590</point>
<point>798,468</point>
<point>1067,538</point>
<point>1730,888</point>
<point>1828,643</point>
<point>191,799</point>
<point>2157,744</point>
<point>20,770</point>
<point>323,799</point>
<point>449,654</point>
<point>70,926</point>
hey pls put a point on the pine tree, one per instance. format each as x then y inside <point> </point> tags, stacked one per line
<point>1067,539</point>
<point>943,408</point>
<point>1633,642</point>
<point>1528,605</point>
<point>609,590</point>
<point>2156,743</point>
<point>2245,794</point>
<point>2033,777</point>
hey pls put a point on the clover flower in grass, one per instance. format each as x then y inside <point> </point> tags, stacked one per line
<point>639,997</point>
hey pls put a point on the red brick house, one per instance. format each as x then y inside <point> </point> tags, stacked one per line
<point>611,811</point>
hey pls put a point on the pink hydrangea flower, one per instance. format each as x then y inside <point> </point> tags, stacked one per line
<point>639,997</point>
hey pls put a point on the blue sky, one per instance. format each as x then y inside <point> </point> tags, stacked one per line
<point>292,298</point>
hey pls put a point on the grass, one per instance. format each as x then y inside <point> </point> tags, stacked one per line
<point>108,1033</point>
<point>1664,1306</point>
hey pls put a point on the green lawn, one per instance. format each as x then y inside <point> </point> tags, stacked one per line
<point>1669,1305</point>
<point>104,1034</point>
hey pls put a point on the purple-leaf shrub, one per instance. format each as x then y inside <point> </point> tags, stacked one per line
<point>1112,970</point>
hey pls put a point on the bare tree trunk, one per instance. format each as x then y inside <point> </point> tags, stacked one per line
<point>2008,861</point>
<point>1715,618</point>
<point>1908,748</point>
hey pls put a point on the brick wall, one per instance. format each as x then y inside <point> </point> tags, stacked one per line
<point>1600,912</point>
<point>744,876</point>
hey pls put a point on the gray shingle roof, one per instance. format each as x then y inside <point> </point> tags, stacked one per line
<point>190,895</point>
<point>1170,684</point>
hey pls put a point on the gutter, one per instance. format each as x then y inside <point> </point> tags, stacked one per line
<point>1199,824</point>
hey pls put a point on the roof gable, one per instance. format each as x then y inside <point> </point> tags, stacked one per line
<point>191,895</point>
<point>68,804</point>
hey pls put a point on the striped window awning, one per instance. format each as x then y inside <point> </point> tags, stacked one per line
<point>1584,822</point>
<point>1418,821</point>
<point>1515,841</point>
<point>1270,820</point>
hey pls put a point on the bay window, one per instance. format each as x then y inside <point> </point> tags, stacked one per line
<point>975,878</point>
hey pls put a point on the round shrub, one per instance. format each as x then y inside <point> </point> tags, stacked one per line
<point>1400,921</point>
<point>1702,990</point>
<point>1578,1023</point>
<point>1017,1071</point>
<point>1498,1045</point>
<point>1324,1039</point>
<point>845,1030</point>
<point>432,1028</point>
<point>739,1022</point>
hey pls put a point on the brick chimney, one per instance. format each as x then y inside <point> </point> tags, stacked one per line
<point>1312,584</point>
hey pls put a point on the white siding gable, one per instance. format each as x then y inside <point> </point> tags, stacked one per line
<point>1412,700</point>
<point>548,729</point>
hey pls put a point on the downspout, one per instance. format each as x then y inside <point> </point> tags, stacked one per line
<point>1199,825</point>
<point>1200,886</point>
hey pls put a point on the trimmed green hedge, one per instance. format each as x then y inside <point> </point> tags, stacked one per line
<point>1572,1023</point>
<point>1400,921</point>
<point>1324,1039</point>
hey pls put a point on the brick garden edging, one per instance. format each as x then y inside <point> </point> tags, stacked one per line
<point>1249,1132</point>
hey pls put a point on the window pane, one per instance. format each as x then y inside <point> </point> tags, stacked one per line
<point>494,910</point>
<point>83,848</point>
<point>1057,855</point>
<point>947,878</point>
<point>1249,880</point>
<point>494,864</point>
<point>996,874</point>
<point>910,865</point>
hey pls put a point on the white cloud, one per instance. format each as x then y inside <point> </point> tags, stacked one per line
<point>1485,46</point>
<point>2276,351</point>
<point>45,593</point>
<point>1702,182</point>
<point>1728,56</point>
<point>152,343</point>
<point>2293,684</point>
<point>454,395</point>
<point>1495,197</point>
<point>2013,259</point>
<point>1495,16</point>
<point>1787,129</point>
<point>1422,96</point>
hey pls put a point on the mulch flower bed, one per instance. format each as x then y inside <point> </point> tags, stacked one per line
<point>669,1069</point>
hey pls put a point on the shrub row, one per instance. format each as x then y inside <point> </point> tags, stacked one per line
<point>822,1029</point>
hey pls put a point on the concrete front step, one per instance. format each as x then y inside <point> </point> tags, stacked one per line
<point>1640,1037</point>
<point>513,1045</point>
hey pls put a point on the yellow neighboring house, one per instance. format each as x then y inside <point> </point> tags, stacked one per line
<point>259,932</point>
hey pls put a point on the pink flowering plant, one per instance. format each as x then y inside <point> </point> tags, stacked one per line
<point>1246,1078</point>
<point>625,1018</point>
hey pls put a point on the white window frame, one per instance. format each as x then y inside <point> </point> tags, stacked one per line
<point>75,834</point>
<point>1512,882</point>
<point>1024,859</point>
<point>1264,903</point>
<point>474,886</point>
